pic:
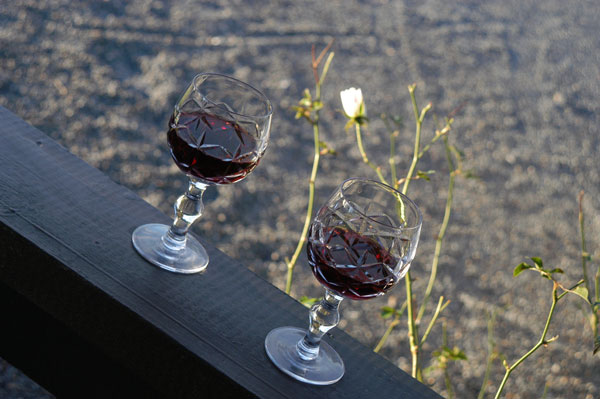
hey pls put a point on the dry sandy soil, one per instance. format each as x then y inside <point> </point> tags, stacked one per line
<point>100,77</point>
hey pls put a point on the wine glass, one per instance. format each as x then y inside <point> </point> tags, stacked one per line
<point>217,134</point>
<point>360,244</point>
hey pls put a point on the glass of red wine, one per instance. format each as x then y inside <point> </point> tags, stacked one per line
<point>360,244</point>
<point>217,134</point>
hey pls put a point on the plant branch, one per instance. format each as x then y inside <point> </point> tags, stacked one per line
<point>491,353</point>
<point>413,333</point>
<point>584,254</point>
<point>439,309</point>
<point>363,154</point>
<point>391,161</point>
<point>309,209</point>
<point>412,325</point>
<point>438,135</point>
<point>441,234</point>
<point>419,123</point>
<point>315,66</point>
<point>393,324</point>
<point>315,107</point>
<point>542,340</point>
<point>447,381</point>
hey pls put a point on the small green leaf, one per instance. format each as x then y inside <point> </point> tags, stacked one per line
<point>597,345</point>
<point>470,174</point>
<point>538,262</point>
<point>519,269</point>
<point>387,312</point>
<point>557,270</point>
<point>308,302</point>
<point>325,149</point>
<point>425,174</point>
<point>456,354</point>
<point>582,292</point>
<point>349,124</point>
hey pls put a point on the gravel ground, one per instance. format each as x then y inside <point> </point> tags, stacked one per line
<point>101,77</point>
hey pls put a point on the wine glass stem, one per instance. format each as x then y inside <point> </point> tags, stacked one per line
<point>323,317</point>
<point>188,208</point>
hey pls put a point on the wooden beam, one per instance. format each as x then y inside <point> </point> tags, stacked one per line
<point>79,304</point>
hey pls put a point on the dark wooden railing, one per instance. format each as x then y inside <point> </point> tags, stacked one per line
<point>85,316</point>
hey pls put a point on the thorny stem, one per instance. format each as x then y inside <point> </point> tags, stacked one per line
<point>437,253</point>
<point>441,234</point>
<point>291,264</point>
<point>412,325</point>
<point>309,209</point>
<point>363,154</point>
<point>542,340</point>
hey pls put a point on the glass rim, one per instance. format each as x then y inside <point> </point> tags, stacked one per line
<point>405,198</point>
<point>240,82</point>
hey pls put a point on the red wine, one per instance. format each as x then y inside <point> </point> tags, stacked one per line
<point>351,265</point>
<point>212,149</point>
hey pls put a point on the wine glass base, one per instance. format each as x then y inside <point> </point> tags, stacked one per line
<point>326,369</point>
<point>147,240</point>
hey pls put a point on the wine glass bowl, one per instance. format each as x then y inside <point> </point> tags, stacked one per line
<point>219,129</point>
<point>217,134</point>
<point>360,244</point>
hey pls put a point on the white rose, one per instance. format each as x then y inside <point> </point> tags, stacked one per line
<point>352,102</point>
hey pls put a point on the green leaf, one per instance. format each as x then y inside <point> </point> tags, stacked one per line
<point>538,262</point>
<point>582,292</point>
<point>387,312</point>
<point>456,354</point>
<point>325,149</point>
<point>425,174</point>
<point>519,269</point>
<point>470,174</point>
<point>308,302</point>
<point>349,124</point>
<point>597,345</point>
<point>557,270</point>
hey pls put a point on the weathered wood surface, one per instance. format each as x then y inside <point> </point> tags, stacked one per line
<point>83,314</point>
